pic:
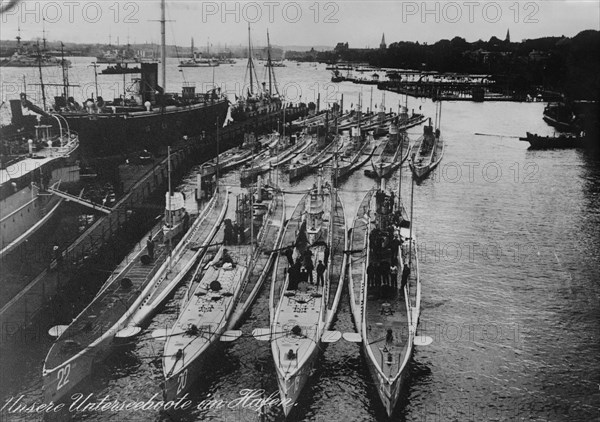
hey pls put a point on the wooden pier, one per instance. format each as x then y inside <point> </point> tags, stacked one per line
<point>449,90</point>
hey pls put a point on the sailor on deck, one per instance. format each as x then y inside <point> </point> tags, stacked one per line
<point>150,246</point>
<point>389,337</point>
<point>320,272</point>
<point>405,274</point>
<point>289,253</point>
<point>225,259</point>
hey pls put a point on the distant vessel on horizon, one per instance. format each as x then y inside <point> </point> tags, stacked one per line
<point>120,69</point>
<point>116,56</point>
<point>196,60</point>
<point>23,57</point>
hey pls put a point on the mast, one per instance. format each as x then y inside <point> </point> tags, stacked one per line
<point>65,72</point>
<point>192,48</point>
<point>163,47</point>
<point>332,201</point>
<point>19,39</point>
<point>41,77</point>
<point>124,87</point>
<point>412,220</point>
<point>359,113</point>
<point>95,65</point>
<point>284,120</point>
<point>281,139</point>
<point>335,164</point>
<point>170,219</point>
<point>170,212</point>
<point>217,170</point>
<point>335,151</point>
<point>269,64</point>
<point>44,32</point>
<point>250,64</point>
<point>213,73</point>
<point>401,140</point>
<point>252,213</point>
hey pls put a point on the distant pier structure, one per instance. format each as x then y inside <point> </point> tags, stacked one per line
<point>450,87</point>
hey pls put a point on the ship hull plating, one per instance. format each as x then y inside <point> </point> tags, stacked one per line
<point>388,392</point>
<point>104,135</point>
<point>62,381</point>
<point>291,387</point>
<point>21,223</point>
<point>177,385</point>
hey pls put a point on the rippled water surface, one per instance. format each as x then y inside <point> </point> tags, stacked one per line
<point>509,254</point>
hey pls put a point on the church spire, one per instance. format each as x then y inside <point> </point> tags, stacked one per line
<point>382,45</point>
<point>507,36</point>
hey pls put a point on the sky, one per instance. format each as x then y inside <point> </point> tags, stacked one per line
<point>304,23</point>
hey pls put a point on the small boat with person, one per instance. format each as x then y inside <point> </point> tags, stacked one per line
<point>563,140</point>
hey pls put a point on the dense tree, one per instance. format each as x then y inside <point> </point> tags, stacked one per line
<point>568,65</point>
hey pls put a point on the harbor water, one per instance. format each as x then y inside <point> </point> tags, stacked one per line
<point>509,256</point>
